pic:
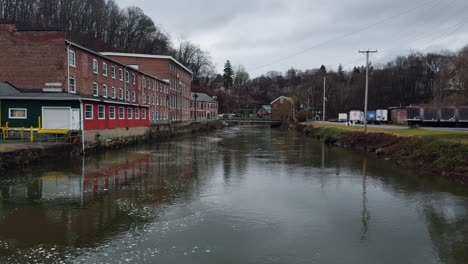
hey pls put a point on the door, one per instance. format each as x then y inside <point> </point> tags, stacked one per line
<point>75,120</point>
<point>56,118</point>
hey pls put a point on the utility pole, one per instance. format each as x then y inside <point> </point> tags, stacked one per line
<point>324,97</point>
<point>367,85</point>
<point>308,104</point>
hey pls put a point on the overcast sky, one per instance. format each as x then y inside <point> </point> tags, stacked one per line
<point>265,35</point>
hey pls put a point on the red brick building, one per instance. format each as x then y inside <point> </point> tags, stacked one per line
<point>203,106</point>
<point>115,99</point>
<point>282,109</point>
<point>167,68</point>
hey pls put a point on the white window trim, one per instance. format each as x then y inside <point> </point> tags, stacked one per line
<point>123,111</point>
<point>74,59</point>
<point>113,92</point>
<point>133,96</point>
<point>127,76</point>
<point>72,91</point>
<point>143,114</point>
<point>137,113</point>
<point>121,94</point>
<point>92,112</point>
<point>97,89</point>
<point>129,113</point>
<point>105,91</point>
<point>133,78</point>
<point>104,112</point>
<point>113,72</point>
<point>121,74</point>
<point>111,107</point>
<point>25,110</point>
<point>104,69</point>
<point>95,63</point>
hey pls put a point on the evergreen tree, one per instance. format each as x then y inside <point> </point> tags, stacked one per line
<point>228,76</point>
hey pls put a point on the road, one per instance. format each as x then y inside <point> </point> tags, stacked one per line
<point>453,129</point>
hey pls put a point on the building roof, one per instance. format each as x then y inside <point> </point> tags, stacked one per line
<point>7,88</point>
<point>267,108</point>
<point>282,97</point>
<point>114,61</point>
<point>201,97</point>
<point>147,56</point>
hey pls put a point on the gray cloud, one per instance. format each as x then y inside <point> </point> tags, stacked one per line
<point>259,32</point>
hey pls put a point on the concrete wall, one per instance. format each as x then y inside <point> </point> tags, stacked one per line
<point>103,135</point>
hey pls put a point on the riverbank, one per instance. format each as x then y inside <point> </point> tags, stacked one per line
<point>441,152</point>
<point>14,156</point>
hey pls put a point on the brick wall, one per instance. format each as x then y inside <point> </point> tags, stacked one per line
<point>162,69</point>
<point>32,59</point>
<point>282,110</point>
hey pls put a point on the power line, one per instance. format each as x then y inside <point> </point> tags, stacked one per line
<point>348,34</point>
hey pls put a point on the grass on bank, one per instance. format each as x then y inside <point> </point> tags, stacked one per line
<point>449,148</point>
<point>447,136</point>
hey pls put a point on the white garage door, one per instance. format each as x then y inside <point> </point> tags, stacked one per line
<point>56,118</point>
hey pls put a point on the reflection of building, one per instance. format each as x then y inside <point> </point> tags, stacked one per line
<point>203,106</point>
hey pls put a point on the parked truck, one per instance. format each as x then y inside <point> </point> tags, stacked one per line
<point>371,117</point>
<point>381,116</point>
<point>343,117</point>
<point>356,116</point>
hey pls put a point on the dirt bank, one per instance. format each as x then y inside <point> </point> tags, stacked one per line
<point>447,159</point>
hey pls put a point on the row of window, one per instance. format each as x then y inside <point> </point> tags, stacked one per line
<point>132,113</point>
<point>95,66</point>
<point>202,105</point>
<point>176,69</point>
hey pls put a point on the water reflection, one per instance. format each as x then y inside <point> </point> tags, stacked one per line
<point>243,195</point>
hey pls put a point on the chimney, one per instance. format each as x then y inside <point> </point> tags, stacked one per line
<point>8,27</point>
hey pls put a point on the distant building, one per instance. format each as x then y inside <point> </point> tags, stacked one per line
<point>203,106</point>
<point>168,68</point>
<point>264,111</point>
<point>282,109</point>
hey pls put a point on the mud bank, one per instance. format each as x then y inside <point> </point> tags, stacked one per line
<point>447,159</point>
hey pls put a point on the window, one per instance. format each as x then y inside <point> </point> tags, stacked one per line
<point>137,113</point>
<point>149,99</point>
<point>120,93</point>
<point>129,113</point>
<point>95,89</point>
<point>17,113</point>
<point>101,112</point>
<point>154,85</point>
<point>144,98</point>
<point>127,95</point>
<point>104,69</point>
<point>157,100</point>
<point>133,78</point>
<point>120,74</point>
<point>88,111</point>
<point>154,100</point>
<point>104,90</point>
<point>111,112</point>
<point>113,92</point>
<point>72,84</point>
<point>113,72</point>
<point>133,96</point>
<point>144,82</point>
<point>95,66</point>
<point>121,113</point>
<point>127,76</point>
<point>72,58</point>
<point>143,113</point>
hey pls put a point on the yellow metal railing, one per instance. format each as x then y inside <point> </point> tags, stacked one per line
<point>7,129</point>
